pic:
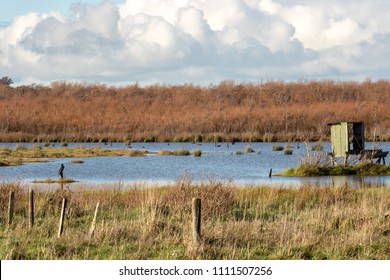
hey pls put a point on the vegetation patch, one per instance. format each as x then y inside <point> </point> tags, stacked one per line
<point>137,153</point>
<point>181,152</point>
<point>277,148</point>
<point>363,169</point>
<point>197,153</point>
<point>165,153</point>
<point>37,154</point>
<point>52,181</point>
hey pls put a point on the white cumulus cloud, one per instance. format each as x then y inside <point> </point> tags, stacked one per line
<point>199,41</point>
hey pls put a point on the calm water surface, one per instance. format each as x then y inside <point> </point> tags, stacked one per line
<point>217,161</point>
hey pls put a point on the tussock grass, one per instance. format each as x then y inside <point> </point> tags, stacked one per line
<point>237,223</point>
<point>181,152</point>
<point>277,148</point>
<point>197,153</point>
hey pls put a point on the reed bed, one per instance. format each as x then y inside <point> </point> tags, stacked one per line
<point>267,111</point>
<point>138,222</point>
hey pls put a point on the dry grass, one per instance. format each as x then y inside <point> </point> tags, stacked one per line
<point>237,223</point>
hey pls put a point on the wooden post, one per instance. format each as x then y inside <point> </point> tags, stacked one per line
<point>31,208</point>
<point>270,173</point>
<point>62,217</point>
<point>196,219</point>
<point>92,229</point>
<point>11,207</point>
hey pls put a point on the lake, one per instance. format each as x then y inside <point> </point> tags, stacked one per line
<point>218,161</point>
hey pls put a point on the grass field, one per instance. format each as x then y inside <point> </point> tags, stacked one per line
<point>140,222</point>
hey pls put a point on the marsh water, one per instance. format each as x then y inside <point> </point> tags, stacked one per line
<point>218,162</point>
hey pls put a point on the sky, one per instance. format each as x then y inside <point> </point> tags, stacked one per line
<point>202,42</point>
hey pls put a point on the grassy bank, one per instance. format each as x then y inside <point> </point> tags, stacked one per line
<point>363,169</point>
<point>19,155</point>
<point>237,223</point>
<point>22,154</point>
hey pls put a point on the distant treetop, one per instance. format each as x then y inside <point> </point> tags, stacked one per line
<point>6,81</point>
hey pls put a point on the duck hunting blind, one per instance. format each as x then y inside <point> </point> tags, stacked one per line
<point>347,138</point>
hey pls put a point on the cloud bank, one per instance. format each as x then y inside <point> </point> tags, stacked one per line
<point>200,41</point>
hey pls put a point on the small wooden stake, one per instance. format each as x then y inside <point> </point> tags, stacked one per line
<point>11,207</point>
<point>270,173</point>
<point>92,229</point>
<point>62,217</point>
<point>31,208</point>
<point>196,220</point>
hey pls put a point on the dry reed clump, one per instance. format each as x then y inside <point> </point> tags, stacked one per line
<point>216,196</point>
<point>5,189</point>
<point>248,149</point>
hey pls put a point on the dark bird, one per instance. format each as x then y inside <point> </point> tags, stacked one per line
<point>61,171</point>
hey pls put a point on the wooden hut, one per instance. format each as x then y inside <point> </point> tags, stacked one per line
<point>347,138</point>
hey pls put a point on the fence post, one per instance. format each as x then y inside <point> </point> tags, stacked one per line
<point>196,220</point>
<point>31,208</point>
<point>11,207</point>
<point>62,217</point>
<point>92,229</point>
<point>270,173</point>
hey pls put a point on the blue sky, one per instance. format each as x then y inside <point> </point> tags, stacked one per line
<point>193,41</point>
<point>12,8</point>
